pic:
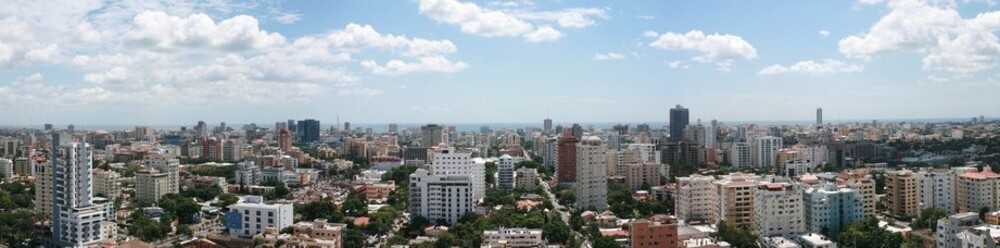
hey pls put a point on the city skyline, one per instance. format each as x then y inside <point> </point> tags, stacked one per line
<point>112,62</point>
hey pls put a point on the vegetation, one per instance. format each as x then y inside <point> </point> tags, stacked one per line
<point>180,207</point>
<point>928,218</point>
<point>227,199</point>
<point>736,236</point>
<point>147,229</point>
<point>280,190</point>
<point>202,193</point>
<point>866,233</point>
<point>16,229</point>
<point>624,206</point>
<point>16,195</point>
<point>227,171</point>
<point>322,209</point>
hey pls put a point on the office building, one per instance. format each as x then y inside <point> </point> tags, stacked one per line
<point>513,238</point>
<point>829,209</point>
<point>566,158</point>
<point>678,122</point>
<point>505,172</point>
<point>658,232</point>
<point>547,125</point>
<point>308,130</point>
<point>696,199</point>
<point>591,184</point>
<point>779,209</point>
<point>251,215</point>
<point>901,196</point>
<point>440,198</point>
<point>447,161</point>
<point>819,116</point>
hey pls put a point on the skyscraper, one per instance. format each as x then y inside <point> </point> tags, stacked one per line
<point>591,184</point>
<point>76,220</point>
<point>307,130</point>
<point>819,116</point>
<point>547,125</point>
<point>431,135</point>
<point>284,139</point>
<point>678,122</point>
<point>566,157</point>
<point>765,151</point>
<point>505,172</point>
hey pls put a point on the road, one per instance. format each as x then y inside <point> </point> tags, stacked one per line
<point>563,214</point>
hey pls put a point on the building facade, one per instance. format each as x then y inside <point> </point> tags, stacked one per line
<point>440,198</point>
<point>251,216</point>
<point>779,209</point>
<point>591,184</point>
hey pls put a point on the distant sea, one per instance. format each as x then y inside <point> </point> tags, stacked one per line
<point>382,127</point>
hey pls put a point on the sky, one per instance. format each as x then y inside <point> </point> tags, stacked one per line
<point>129,62</point>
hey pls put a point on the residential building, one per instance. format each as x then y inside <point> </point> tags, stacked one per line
<point>6,169</point>
<point>901,193</point>
<point>983,236</point>
<point>440,198</point>
<point>77,221</point>
<point>284,140</point>
<point>948,228</point>
<point>447,161</point>
<point>864,184</point>
<point>765,151</point>
<point>566,157</point>
<point>150,185</point>
<point>815,240</point>
<point>740,155</point>
<point>828,208</point>
<point>526,179</point>
<point>106,184</point>
<point>432,135</point>
<point>251,215</point>
<point>169,166</point>
<point>642,174</point>
<point>659,232</point>
<point>779,210</point>
<point>736,194</point>
<point>248,174</point>
<point>936,189</point>
<point>978,190</point>
<point>505,172</point>
<point>513,238</point>
<point>591,184</point>
<point>696,199</point>
<point>317,233</point>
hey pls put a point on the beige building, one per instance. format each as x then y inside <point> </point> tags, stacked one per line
<point>901,196</point>
<point>150,185</point>
<point>106,184</point>
<point>696,199</point>
<point>736,199</point>
<point>779,210</point>
<point>861,181</point>
<point>639,174</point>
<point>526,179</point>
<point>977,190</point>
<point>591,174</point>
<point>43,190</point>
<point>513,238</point>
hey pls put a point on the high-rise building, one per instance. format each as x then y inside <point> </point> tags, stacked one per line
<point>577,131</point>
<point>778,209</point>
<point>642,174</point>
<point>43,188</point>
<point>248,173</point>
<point>308,130</point>
<point>736,193</point>
<point>547,125</point>
<point>977,190</point>
<point>168,166</point>
<point>591,184</point>
<point>765,151</point>
<point>393,128</point>
<point>440,198</point>
<point>6,169</point>
<point>106,184</point>
<point>660,232</point>
<point>77,221</point>
<point>566,157</point>
<point>948,229</point>
<point>150,185</point>
<point>284,140</point>
<point>696,199</point>
<point>251,215</point>
<point>231,150</point>
<point>740,155</point>
<point>505,172</point>
<point>431,135</point>
<point>447,161</point>
<point>678,122</point>
<point>211,149</point>
<point>936,189</point>
<point>819,116</point>
<point>901,195</point>
<point>526,179</point>
<point>862,182</point>
<point>828,209</point>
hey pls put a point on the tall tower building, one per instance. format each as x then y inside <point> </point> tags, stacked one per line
<point>566,157</point>
<point>168,166</point>
<point>591,174</point>
<point>765,151</point>
<point>446,161</point>
<point>678,122</point>
<point>284,139</point>
<point>505,172</point>
<point>76,220</point>
<point>901,196</point>
<point>819,116</point>
<point>547,125</point>
<point>308,130</point>
<point>431,135</point>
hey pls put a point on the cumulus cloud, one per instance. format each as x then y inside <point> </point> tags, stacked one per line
<point>718,49</point>
<point>609,56</point>
<point>424,64</point>
<point>949,43</point>
<point>532,26</point>
<point>825,66</point>
<point>157,29</point>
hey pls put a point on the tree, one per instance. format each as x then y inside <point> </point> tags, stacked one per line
<point>928,218</point>
<point>16,228</point>
<point>184,208</point>
<point>322,209</point>
<point>736,236</point>
<point>202,193</point>
<point>353,238</point>
<point>227,199</point>
<point>555,230</point>
<point>280,190</point>
<point>355,205</point>
<point>416,225</point>
<point>866,233</point>
<point>605,242</point>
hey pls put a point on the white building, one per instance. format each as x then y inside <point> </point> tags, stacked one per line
<point>794,168</point>
<point>984,236</point>
<point>251,215</point>
<point>505,172</point>
<point>765,151</point>
<point>779,209</point>
<point>248,174</point>
<point>936,189</point>
<point>696,199</point>
<point>6,169</point>
<point>948,229</point>
<point>447,161</point>
<point>591,174</point>
<point>440,197</point>
<point>815,240</point>
<point>513,238</point>
<point>77,221</point>
<point>739,155</point>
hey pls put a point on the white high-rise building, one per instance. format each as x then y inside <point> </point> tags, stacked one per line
<point>251,215</point>
<point>76,220</point>
<point>779,210</point>
<point>739,155</point>
<point>443,198</point>
<point>505,172</point>
<point>696,199</point>
<point>591,174</point>
<point>765,151</point>
<point>169,166</point>
<point>936,189</point>
<point>447,161</point>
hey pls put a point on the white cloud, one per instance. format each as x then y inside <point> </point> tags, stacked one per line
<point>288,18</point>
<point>718,49</point>
<point>870,2</point>
<point>646,17</point>
<point>424,64</point>
<point>609,56</point>
<point>650,34</point>
<point>949,42</point>
<point>159,30</point>
<point>825,66</point>
<point>677,64</point>
<point>824,33</point>
<point>533,26</point>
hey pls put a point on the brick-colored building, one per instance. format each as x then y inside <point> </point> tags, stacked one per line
<point>660,232</point>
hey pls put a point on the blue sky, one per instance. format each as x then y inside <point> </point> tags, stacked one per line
<point>176,62</point>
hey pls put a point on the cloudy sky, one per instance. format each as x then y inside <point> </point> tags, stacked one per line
<point>456,61</point>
